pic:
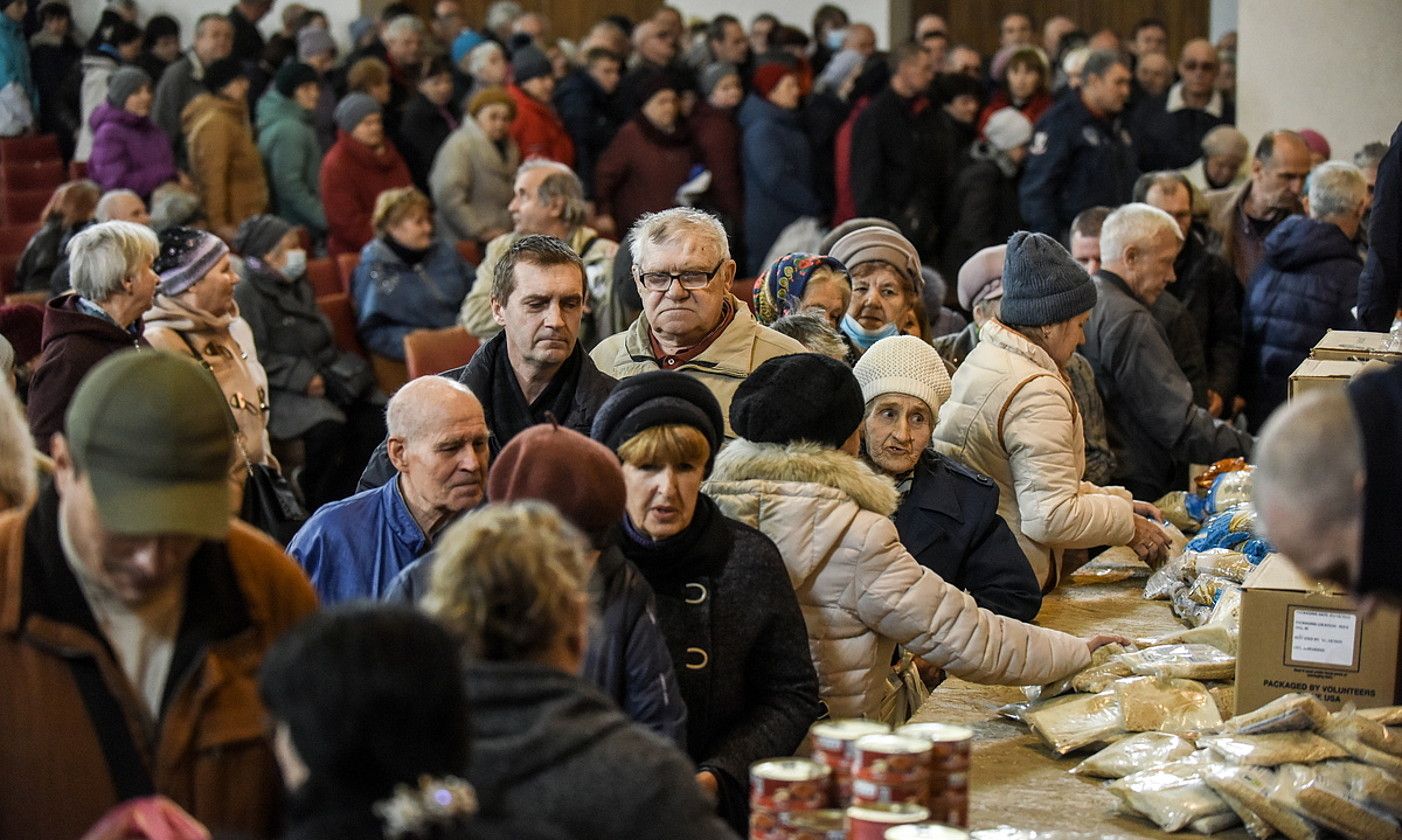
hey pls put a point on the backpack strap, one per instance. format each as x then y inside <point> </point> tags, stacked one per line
<point>1007,404</point>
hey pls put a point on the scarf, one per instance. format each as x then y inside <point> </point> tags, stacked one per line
<point>863,337</point>
<point>410,256</point>
<point>668,564</point>
<point>508,414</point>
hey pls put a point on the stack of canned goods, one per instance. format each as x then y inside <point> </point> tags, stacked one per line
<point>948,798</point>
<point>833,745</point>
<point>782,787</point>
<point>890,769</point>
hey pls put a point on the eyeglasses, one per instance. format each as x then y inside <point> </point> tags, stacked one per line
<point>661,281</point>
<point>1194,66</point>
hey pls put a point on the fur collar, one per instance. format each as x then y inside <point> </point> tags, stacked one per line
<point>807,463</point>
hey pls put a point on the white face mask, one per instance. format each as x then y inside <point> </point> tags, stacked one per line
<point>295,264</point>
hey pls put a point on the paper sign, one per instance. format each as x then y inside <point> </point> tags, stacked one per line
<point>1323,637</point>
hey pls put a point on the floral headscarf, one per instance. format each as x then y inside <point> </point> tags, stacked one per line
<point>780,288</point>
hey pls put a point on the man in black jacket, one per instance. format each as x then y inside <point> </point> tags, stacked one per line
<point>534,370</point>
<point>1382,276</point>
<point>899,163</point>
<point>587,103</point>
<point>1081,154</point>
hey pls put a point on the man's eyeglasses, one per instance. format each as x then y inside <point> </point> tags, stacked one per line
<point>691,280</point>
<point>1205,66</point>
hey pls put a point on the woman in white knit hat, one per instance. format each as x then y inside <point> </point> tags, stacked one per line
<point>948,515</point>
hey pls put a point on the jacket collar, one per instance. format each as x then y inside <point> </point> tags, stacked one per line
<point>729,355</point>
<point>932,491</point>
<point>1001,335</point>
<point>1111,280</point>
<point>401,522</point>
<point>1175,101</point>
<point>807,463</point>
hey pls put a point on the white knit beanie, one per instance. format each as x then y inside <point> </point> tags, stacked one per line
<point>903,364</point>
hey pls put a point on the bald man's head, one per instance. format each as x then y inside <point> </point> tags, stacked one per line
<point>1198,66</point>
<point>438,441</point>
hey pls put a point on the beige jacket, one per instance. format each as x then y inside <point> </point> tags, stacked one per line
<point>471,182</point>
<point>743,346</point>
<point>1012,417</point>
<point>225,344</point>
<point>860,591</point>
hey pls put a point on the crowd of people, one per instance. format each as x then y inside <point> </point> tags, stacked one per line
<point>805,371</point>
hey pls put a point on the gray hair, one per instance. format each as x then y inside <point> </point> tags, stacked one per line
<point>1164,179</point>
<point>673,224</point>
<point>1311,449</point>
<point>401,26</point>
<point>1336,188</point>
<point>1370,155</point>
<point>1225,140</point>
<point>404,415</point>
<point>104,255</point>
<point>562,182</point>
<point>103,211</point>
<point>173,206</point>
<point>478,56</point>
<point>18,476</point>
<point>502,13</point>
<point>1099,62</point>
<point>1074,62</point>
<point>1134,224</point>
<point>814,332</point>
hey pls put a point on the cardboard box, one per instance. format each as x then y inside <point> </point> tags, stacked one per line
<point>1298,634</point>
<point>1323,373</point>
<point>1353,345</point>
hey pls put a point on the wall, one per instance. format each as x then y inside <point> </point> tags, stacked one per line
<point>794,12</point>
<point>976,21</point>
<point>1329,66</point>
<point>340,13</point>
<point>1224,17</point>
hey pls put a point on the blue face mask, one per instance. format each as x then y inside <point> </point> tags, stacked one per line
<point>863,337</point>
<point>835,38</point>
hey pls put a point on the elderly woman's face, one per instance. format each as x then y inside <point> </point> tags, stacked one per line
<point>413,230</point>
<point>662,497</point>
<point>897,429</point>
<point>493,69</point>
<point>1062,339</point>
<point>878,299</point>
<point>827,293</point>
<point>214,293</point>
<point>143,284</point>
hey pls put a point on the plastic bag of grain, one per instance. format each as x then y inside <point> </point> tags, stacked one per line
<point>1222,562</point>
<point>1386,715</point>
<point>1207,588</point>
<point>1098,659</point>
<point>1133,754</point>
<point>1273,748</point>
<point>1250,788</point>
<point>1364,739</point>
<point>1324,798</point>
<point>1166,579</point>
<point>1171,795</point>
<point>1218,634</point>
<point>1080,720</point>
<point>1194,662</point>
<point>1225,698</point>
<point>1287,713</point>
<point>1189,611</point>
<point>1164,704</point>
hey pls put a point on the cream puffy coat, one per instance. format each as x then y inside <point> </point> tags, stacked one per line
<point>1012,417</point>
<point>860,591</point>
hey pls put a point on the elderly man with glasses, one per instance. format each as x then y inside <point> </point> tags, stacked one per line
<point>1168,129</point>
<point>691,322</point>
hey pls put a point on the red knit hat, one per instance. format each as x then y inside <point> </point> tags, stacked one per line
<point>768,77</point>
<point>579,476</point>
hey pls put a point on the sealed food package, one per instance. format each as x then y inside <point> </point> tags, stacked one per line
<point>1189,611</point>
<point>1193,661</point>
<point>1353,733</point>
<point>1227,613</point>
<point>1273,748</point>
<point>1098,659</point>
<point>1372,786</point>
<point>1255,826</point>
<point>1207,479</point>
<point>1218,634</point>
<point>1111,566</point>
<point>1214,823</point>
<point>1229,490</point>
<point>1133,754</point>
<point>1207,588</point>
<point>1251,787</point>
<point>1163,704</point>
<point>1283,714</point>
<point>1222,562</point>
<point>1070,723</point>
<point>1225,698</point>
<point>1172,795</point>
<point>1370,732</point>
<point>1174,507</point>
<point>1323,797</point>
<point>1167,579</point>
<point>1386,715</point>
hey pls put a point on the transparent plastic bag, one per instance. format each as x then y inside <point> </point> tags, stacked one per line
<point>1363,739</point>
<point>1251,787</point>
<point>1214,823</point>
<point>1086,676</point>
<point>1166,579</point>
<point>1273,748</point>
<point>1323,797</point>
<point>1386,715</point>
<point>1161,704</point>
<point>1189,611</point>
<point>1225,698</point>
<point>1229,490</point>
<point>1288,713</point>
<point>1176,509</point>
<point>1134,754</point>
<point>1192,661</point>
<point>1206,589</point>
<point>1217,634</point>
<point>1172,795</point>
<point>1222,562</point>
<point>1077,721</point>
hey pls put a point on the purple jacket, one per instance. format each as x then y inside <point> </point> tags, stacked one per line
<point>129,152</point>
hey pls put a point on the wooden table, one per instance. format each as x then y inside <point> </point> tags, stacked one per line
<point>1016,780</point>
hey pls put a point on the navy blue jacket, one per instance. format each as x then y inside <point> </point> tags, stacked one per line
<point>777,163</point>
<point>1378,289</point>
<point>591,117</point>
<point>949,523</point>
<point>393,298</point>
<point>1172,139</point>
<point>1077,160</point>
<point>1306,285</point>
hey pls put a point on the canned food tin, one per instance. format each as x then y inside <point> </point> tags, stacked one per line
<point>781,786</point>
<point>833,745</point>
<point>825,824</point>
<point>884,758</point>
<point>950,748</point>
<point>928,831</point>
<point>870,822</point>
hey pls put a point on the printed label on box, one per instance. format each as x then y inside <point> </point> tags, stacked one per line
<point>1323,637</point>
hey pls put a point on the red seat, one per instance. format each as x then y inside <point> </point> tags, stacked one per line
<point>469,250</point>
<point>8,264</point>
<point>428,352</point>
<point>77,170</point>
<point>33,175</point>
<point>23,207</point>
<point>13,238</point>
<point>34,147</point>
<point>345,266</point>
<point>325,280</point>
<point>337,309</point>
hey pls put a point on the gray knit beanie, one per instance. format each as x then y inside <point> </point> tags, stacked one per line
<point>313,41</point>
<point>1041,283</point>
<point>712,75</point>
<point>123,83</point>
<point>353,110</point>
<point>529,63</point>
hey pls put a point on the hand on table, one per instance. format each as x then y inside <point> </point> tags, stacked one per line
<point>1100,640</point>
<point>150,818</point>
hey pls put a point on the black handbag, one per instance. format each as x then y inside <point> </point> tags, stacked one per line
<point>348,380</point>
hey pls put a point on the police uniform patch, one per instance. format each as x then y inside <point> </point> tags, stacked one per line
<point>1092,136</point>
<point>1039,143</point>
